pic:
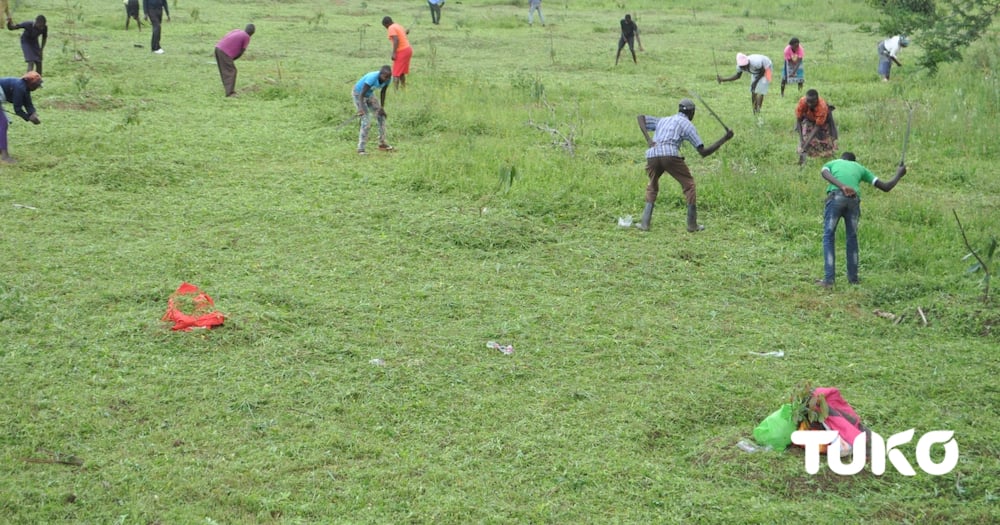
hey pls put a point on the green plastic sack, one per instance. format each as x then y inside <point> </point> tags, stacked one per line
<point>776,429</point>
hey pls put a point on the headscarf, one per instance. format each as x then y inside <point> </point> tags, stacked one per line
<point>32,79</point>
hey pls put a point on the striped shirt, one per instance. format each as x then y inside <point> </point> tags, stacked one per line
<point>670,133</point>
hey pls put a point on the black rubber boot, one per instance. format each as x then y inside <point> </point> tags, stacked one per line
<point>693,225</point>
<point>647,215</point>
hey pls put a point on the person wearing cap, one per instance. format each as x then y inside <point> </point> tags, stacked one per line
<point>843,201</point>
<point>663,155</point>
<point>793,72</point>
<point>888,50</point>
<point>17,91</point>
<point>401,50</point>
<point>814,122</point>
<point>367,105</point>
<point>30,46</point>
<point>759,67</point>
<point>227,51</point>
<point>154,11</point>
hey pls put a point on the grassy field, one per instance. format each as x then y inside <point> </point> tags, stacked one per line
<point>352,383</point>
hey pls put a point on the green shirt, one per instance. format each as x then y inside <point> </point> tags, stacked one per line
<point>849,173</point>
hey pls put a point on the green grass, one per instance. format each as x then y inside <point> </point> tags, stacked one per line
<point>632,378</point>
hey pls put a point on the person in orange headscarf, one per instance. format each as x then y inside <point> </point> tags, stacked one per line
<point>817,131</point>
<point>17,91</point>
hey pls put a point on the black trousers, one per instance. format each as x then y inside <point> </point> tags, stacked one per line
<point>155,19</point>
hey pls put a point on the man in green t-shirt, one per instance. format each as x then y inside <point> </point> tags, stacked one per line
<point>843,200</point>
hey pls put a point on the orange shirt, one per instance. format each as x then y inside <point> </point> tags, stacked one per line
<point>396,30</point>
<point>817,115</point>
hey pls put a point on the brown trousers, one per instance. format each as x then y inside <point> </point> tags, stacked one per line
<point>677,169</point>
<point>227,70</point>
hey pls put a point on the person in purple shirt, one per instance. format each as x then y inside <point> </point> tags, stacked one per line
<point>17,91</point>
<point>663,155</point>
<point>29,40</point>
<point>227,51</point>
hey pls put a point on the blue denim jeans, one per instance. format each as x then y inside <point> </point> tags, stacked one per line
<point>849,208</point>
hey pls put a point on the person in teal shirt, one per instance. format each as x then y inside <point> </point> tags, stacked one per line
<point>367,104</point>
<point>843,200</point>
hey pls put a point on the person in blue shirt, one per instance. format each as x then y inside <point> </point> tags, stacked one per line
<point>843,200</point>
<point>435,6</point>
<point>367,104</point>
<point>663,155</point>
<point>17,91</point>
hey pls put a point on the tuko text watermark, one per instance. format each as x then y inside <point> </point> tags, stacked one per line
<point>881,449</point>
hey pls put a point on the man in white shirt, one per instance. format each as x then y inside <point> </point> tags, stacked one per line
<point>887,51</point>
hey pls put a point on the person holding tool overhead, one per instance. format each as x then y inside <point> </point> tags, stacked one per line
<point>663,155</point>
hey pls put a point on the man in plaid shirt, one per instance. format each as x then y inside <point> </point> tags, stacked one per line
<point>663,155</point>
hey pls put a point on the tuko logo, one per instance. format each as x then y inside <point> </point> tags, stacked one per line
<point>880,450</point>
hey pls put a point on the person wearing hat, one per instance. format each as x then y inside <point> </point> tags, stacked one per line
<point>17,91</point>
<point>30,47</point>
<point>663,155</point>
<point>759,67</point>
<point>843,201</point>
<point>888,50</point>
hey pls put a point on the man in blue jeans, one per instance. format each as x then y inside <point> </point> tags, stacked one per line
<point>843,200</point>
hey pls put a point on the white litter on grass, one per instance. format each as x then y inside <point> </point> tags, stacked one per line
<point>779,353</point>
<point>625,222</point>
<point>24,206</point>
<point>747,446</point>
<point>377,362</point>
<point>506,349</point>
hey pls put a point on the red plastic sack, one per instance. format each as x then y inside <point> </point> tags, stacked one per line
<point>202,309</point>
<point>842,416</point>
